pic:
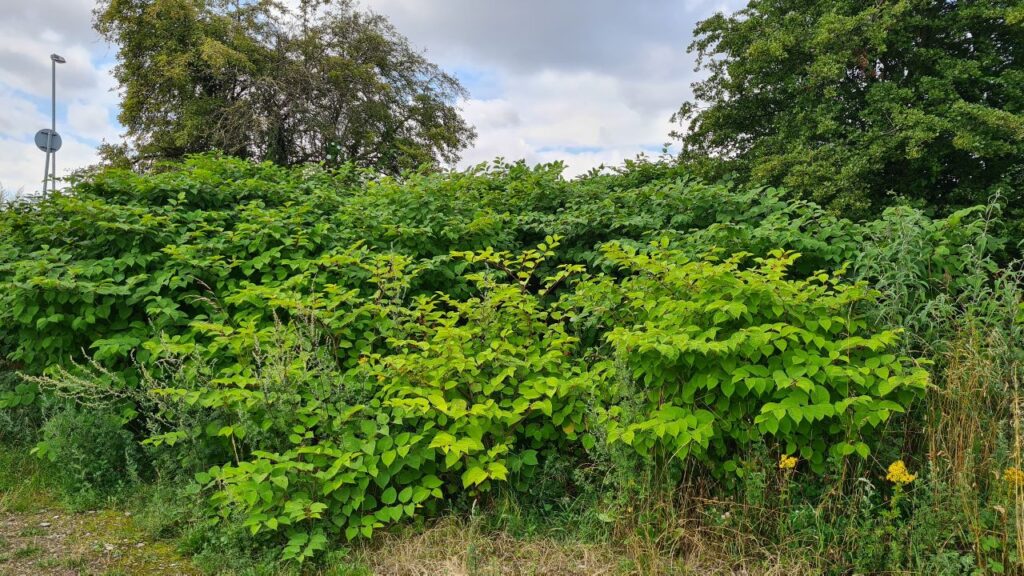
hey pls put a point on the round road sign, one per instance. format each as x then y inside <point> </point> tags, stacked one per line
<point>48,140</point>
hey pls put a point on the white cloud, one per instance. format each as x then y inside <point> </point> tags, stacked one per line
<point>17,113</point>
<point>93,113</point>
<point>526,35</point>
<point>584,118</point>
<point>589,82</point>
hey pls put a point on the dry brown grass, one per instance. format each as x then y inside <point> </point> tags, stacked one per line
<point>1018,439</point>
<point>708,536</point>
<point>459,547</point>
<point>966,416</point>
<point>979,393</point>
<point>455,547</point>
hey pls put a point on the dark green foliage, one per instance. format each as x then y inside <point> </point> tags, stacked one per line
<point>851,103</point>
<point>19,409</point>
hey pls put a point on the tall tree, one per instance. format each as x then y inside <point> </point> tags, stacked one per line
<point>852,102</point>
<point>253,79</point>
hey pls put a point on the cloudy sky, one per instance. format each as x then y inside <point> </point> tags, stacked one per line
<point>583,81</point>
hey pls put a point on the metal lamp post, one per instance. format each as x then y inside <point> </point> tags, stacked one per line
<point>48,140</point>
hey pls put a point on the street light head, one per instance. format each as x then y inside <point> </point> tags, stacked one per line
<point>57,58</point>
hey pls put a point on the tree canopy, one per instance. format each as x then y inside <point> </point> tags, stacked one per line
<point>851,103</point>
<point>324,82</point>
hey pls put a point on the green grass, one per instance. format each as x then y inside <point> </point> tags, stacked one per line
<point>22,485</point>
<point>27,552</point>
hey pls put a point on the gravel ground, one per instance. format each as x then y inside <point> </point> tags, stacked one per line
<point>95,543</point>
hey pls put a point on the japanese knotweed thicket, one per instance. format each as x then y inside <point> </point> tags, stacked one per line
<point>324,353</point>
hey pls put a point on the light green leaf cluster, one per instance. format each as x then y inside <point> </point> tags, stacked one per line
<point>726,354</point>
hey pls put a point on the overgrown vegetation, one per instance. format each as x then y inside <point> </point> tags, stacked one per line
<point>304,362</point>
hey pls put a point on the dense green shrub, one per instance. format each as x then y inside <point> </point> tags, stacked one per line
<point>122,256</point>
<point>328,352</point>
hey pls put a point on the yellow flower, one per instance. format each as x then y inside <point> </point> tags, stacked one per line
<point>787,462</point>
<point>1014,476</point>
<point>363,359</point>
<point>898,473</point>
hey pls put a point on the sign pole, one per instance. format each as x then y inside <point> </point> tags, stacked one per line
<point>46,171</point>
<point>53,113</point>
<point>47,139</point>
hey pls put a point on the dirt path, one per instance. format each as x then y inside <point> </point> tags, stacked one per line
<point>99,543</point>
